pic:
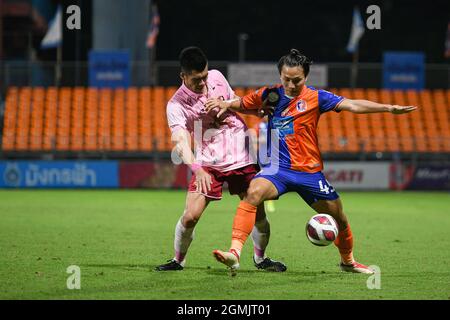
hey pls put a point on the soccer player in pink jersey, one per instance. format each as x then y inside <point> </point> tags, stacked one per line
<point>221,155</point>
<point>294,117</point>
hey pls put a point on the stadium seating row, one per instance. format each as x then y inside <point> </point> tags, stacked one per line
<point>134,119</point>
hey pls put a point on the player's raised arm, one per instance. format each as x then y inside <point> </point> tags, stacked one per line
<point>366,106</point>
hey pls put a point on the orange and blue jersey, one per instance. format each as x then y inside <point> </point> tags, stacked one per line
<point>295,121</point>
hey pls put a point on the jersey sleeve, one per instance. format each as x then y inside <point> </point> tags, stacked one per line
<point>254,100</point>
<point>175,117</point>
<point>219,75</point>
<point>328,101</point>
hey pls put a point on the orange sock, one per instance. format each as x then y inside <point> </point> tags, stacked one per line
<point>344,242</point>
<point>243,223</point>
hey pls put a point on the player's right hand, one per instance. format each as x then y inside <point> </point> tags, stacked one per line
<point>214,103</point>
<point>203,181</point>
<point>395,109</point>
<point>266,109</point>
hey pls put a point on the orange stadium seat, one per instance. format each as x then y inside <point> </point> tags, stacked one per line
<point>157,116</point>
<point>352,136</point>
<point>118,119</point>
<point>131,120</point>
<point>442,110</point>
<point>323,133</point>
<point>63,119</point>
<point>349,121</point>
<point>391,128</point>
<point>23,119</point>
<point>104,120</point>
<point>10,119</point>
<point>168,135</point>
<point>376,122</point>
<point>77,124</point>
<point>402,122</point>
<point>145,123</point>
<point>337,136</point>
<point>49,138</point>
<point>431,125</point>
<point>89,119</point>
<point>417,122</point>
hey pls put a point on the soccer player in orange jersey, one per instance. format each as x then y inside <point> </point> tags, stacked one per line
<point>296,163</point>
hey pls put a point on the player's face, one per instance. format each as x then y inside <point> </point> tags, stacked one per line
<point>195,81</point>
<point>293,79</point>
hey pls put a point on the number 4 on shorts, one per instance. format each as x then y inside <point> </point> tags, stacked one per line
<point>323,188</point>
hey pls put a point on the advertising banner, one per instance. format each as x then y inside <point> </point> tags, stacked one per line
<point>58,174</point>
<point>153,175</point>
<point>266,74</point>
<point>358,175</point>
<point>109,69</point>
<point>404,70</point>
<point>421,177</point>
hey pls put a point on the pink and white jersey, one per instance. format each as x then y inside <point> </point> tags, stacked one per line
<point>219,143</point>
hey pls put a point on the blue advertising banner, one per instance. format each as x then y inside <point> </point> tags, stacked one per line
<point>109,69</point>
<point>404,70</point>
<point>420,177</point>
<point>59,174</point>
<point>432,177</point>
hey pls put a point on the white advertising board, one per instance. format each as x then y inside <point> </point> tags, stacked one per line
<point>358,175</point>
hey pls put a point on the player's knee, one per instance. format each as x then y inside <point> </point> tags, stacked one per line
<point>190,219</point>
<point>255,195</point>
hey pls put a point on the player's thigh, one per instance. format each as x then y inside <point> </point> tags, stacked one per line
<point>334,208</point>
<point>261,189</point>
<point>196,204</point>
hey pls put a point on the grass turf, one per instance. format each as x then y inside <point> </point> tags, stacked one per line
<point>118,237</point>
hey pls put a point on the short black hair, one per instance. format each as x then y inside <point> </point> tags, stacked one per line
<point>295,59</point>
<point>193,59</point>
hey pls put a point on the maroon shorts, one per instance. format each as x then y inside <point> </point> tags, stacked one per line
<point>238,181</point>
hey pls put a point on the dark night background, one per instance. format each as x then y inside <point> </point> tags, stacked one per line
<point>320,29</point>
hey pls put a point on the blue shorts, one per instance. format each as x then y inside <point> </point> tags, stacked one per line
<point>312,187</point>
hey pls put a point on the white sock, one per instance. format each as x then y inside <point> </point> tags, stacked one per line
<point>260,236</point>
<point>182,241</point>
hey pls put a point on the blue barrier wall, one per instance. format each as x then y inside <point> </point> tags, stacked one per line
<point>59,174</point>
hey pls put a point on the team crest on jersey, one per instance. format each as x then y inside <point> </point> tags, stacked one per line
<point>302,106</point>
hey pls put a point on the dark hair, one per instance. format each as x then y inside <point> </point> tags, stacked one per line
<point>192,59</point>
<point>295,59</point>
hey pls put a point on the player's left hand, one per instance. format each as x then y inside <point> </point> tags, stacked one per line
<point>395,109</point>
<point>214,103</point>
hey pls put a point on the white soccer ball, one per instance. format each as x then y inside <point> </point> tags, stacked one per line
<point>322,230</point>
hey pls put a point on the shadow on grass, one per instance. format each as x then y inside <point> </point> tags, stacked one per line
<point>216,271</point>
<point>132,267</point>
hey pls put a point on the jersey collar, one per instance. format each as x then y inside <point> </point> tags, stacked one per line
<point>193,94</point>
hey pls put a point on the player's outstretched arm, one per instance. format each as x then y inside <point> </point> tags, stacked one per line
<point>224,106</point>
<point>366,106</point>
<point>236,105</point>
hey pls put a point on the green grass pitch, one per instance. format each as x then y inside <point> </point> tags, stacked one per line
<point>118,237</point>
